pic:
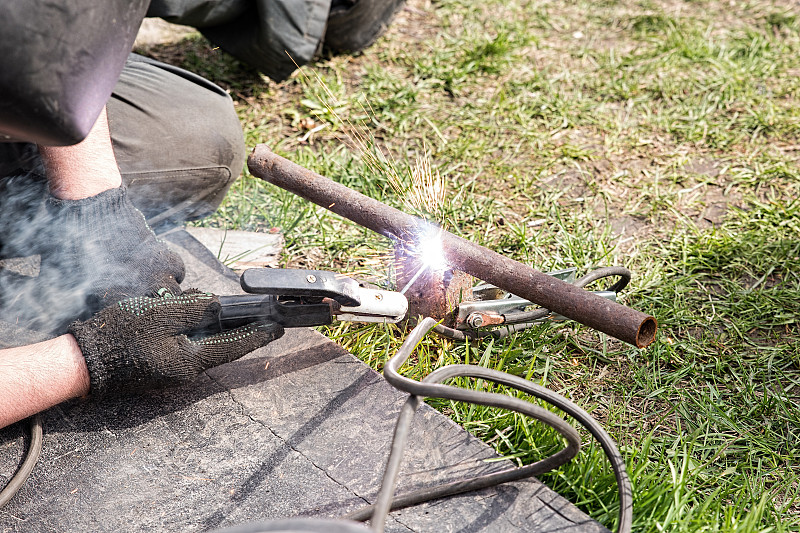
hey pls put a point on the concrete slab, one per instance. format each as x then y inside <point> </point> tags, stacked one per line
<point>154,32</point>
<point>241,250</point>
<point>299,428</point>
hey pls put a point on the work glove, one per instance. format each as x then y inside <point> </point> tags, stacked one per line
<point>140,343</point>
<point>101,250</point>
<point>94,252</point>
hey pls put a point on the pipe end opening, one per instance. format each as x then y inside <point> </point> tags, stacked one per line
<point>647,332</point>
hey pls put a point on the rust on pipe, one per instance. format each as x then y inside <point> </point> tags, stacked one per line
<point>619,321</point>
<point>435,292</point>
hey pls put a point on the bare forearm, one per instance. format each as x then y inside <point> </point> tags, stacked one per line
<point>84,169</point>
<point>38,376</point>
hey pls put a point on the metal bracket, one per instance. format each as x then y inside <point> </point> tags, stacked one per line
<point>492,304</point>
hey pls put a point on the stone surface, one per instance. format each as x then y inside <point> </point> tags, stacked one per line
<point>155,31</point>
<point>299,428</point>
<point>241,250</point>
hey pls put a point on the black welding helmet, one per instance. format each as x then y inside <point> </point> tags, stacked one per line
<point>59,62</point>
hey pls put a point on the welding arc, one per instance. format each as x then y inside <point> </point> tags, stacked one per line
<point>34,450</point>
<point>431,386</point>
<point>620,322</point>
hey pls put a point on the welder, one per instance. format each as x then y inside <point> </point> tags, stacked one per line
<point>99,147</point>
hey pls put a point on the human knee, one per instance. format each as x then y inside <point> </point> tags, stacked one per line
<point>177,138</point>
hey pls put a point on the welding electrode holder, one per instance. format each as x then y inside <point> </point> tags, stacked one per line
<point>292,298</point>
<point>303,298</point>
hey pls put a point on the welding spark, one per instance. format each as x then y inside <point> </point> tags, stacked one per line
<point>429,248</point>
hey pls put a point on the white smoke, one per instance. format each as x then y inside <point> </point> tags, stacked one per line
<point>45,302</point>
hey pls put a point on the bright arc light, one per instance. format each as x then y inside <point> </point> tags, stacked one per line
<point>430,251</point>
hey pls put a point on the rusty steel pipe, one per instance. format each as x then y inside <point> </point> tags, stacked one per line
<point>619,321</point>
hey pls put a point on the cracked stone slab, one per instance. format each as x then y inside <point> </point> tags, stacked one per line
<point>298,428</point>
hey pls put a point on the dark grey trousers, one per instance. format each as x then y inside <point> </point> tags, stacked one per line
<point>275,36</point>
<point>176,137</point>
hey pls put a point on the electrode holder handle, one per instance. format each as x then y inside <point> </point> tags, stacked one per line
<point>314,284</point>
<point>242,309</point>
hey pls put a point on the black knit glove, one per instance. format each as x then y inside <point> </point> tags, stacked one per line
<point>141,342</point>
<point>97,251</point>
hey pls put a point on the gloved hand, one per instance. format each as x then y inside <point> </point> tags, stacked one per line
<point>94,252</point>
<point>141,342</point>
<point>100,250</point>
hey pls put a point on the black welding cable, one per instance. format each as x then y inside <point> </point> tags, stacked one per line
<point>379,511</point>
<point>385,501</point>
<point>606,272</point>
<point>34,450</point>
<point>430,387</point>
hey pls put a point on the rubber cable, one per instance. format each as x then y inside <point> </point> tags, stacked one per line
<point>431,386</point>
<point>25,469</point>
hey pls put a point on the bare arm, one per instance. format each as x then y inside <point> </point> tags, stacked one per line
<point>84,169</point>
<point>91,237</point>
<point>38,376</point>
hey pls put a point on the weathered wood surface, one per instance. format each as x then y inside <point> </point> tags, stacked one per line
<point>299,428</point>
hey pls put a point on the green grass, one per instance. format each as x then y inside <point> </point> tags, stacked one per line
<point>657,135</point>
